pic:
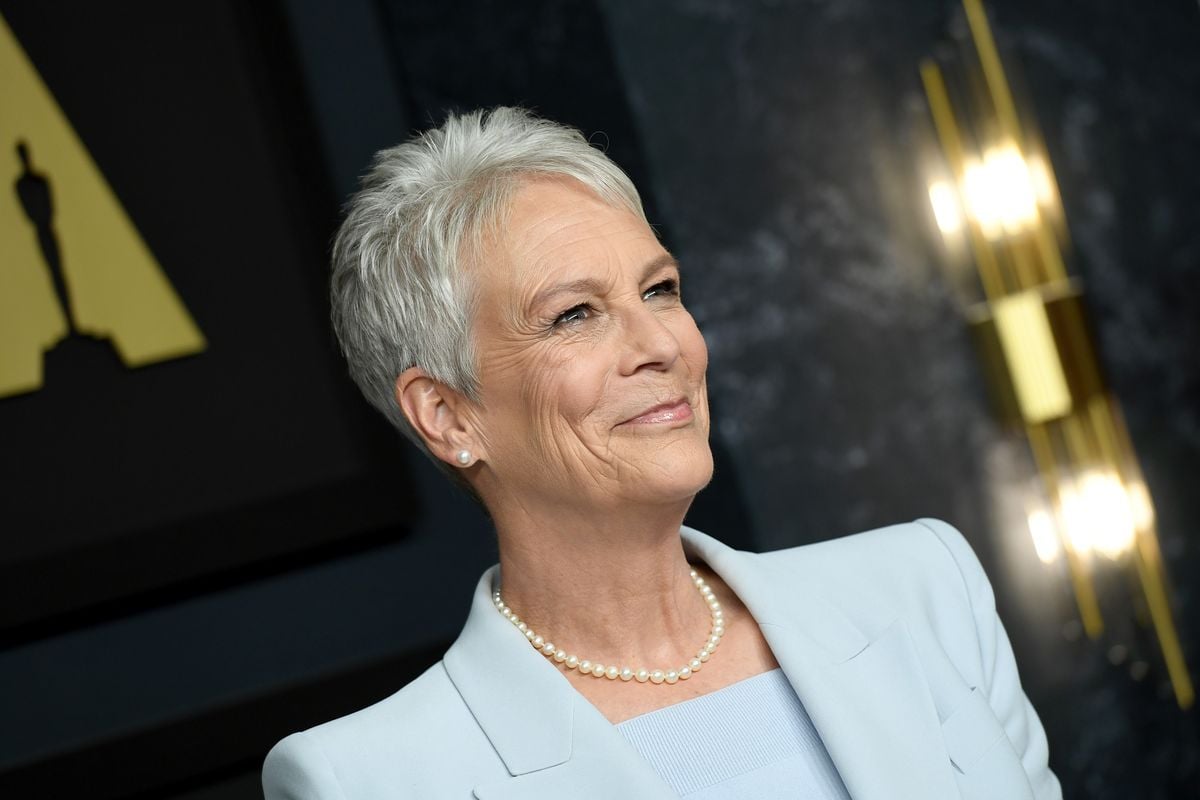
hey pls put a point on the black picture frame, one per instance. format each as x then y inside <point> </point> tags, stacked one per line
<point>343,488</point>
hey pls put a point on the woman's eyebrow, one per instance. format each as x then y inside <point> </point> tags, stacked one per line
<point>592,286</point>
<point>580,286</point>
<point>665,260</point>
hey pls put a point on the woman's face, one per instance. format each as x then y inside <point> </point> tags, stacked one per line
<point>592,373</point>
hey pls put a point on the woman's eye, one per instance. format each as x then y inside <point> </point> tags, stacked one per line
<point>668,287</point>
<point>574,314</point>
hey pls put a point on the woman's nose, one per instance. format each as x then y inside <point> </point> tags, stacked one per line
<point>649,342</point>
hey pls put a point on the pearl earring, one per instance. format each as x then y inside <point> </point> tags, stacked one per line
<point>464,457</point>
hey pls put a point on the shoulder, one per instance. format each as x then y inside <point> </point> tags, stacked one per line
<point>923,571</point>
<point>925,574</point>
<point>918,556</point>
<point>362,754</point>
<point>918,540</point>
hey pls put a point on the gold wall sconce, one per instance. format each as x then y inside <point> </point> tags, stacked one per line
<point>997,206</point>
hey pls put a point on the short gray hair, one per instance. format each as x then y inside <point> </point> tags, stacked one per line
<point>401,289</point>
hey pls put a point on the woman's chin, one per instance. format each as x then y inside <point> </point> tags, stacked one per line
<point>678,478</point>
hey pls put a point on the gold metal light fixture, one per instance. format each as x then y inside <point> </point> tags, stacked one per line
<point>997,201</point>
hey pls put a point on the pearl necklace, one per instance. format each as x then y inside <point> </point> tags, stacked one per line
<point>641,675</point>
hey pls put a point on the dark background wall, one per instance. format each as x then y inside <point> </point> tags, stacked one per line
<point>779,149</point>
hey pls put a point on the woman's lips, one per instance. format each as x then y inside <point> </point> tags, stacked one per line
<point>679,411</point>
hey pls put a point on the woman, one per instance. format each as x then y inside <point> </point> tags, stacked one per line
<point>500,296</point>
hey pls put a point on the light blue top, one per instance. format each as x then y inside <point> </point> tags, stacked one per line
<point>751,739</point>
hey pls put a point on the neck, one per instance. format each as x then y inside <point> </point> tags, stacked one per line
<point>608,586</point>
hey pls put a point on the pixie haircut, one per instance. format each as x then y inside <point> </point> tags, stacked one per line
<point>401,287</point>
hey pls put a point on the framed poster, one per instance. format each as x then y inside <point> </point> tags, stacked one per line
<point>192,423</point>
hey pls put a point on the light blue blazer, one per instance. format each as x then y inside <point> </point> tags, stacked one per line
<point>889,637</point>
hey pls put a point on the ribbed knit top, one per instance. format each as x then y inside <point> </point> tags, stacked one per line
<point>750,740</point>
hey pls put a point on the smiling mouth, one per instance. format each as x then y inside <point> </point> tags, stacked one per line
<point>674,411</point>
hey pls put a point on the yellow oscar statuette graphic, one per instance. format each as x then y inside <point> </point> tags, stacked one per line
<point>71,261</point>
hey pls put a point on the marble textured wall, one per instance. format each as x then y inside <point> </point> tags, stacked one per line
<point>785,142</point>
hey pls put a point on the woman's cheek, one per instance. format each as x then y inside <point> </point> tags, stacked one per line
<point>695,347</point>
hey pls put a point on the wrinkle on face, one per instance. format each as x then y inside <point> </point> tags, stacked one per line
<point>550,398</point>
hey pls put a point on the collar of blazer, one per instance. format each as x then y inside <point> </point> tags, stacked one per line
<point>868,698</point>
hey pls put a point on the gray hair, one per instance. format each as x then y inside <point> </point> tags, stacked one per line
<point>401,288</point>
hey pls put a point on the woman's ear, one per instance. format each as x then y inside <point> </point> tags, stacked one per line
<point>438,413</point>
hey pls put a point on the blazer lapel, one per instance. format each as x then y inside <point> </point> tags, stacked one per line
<point>874,713</point>
<point>602,766</point>
<point>549,737</point>
<point>868,699</point>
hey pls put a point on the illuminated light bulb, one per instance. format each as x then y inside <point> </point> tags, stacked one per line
<point>1000,193</point>
<point>976,190</point>
<point>1110,500</point>
<point>1045,537</point>
<point>1098,515</point>
<point>946,210</point>
<point>1075,519</point>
